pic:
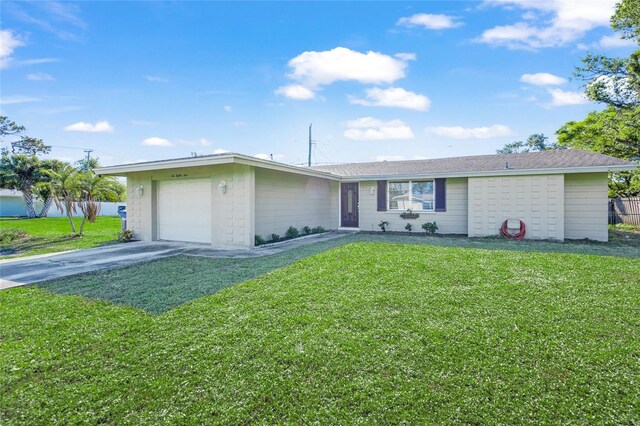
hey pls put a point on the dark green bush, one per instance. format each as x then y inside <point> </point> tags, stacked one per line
<point>430,227</point>
<point>317,230</point>
<point>383,225</point>
<point>292,232</point>
<point>275,237</point>
<point>125,236</point>
<point>258,240</point>
<point>408,227</point>
<point>306,230</point>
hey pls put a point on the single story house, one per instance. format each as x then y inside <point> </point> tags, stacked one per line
<point>227,199</point>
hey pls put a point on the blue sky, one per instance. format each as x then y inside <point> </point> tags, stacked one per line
<point>139,81</point>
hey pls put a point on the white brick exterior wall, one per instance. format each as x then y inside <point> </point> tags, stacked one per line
<point>536,200</point>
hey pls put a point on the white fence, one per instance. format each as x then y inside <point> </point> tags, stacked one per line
<point>12,204</point>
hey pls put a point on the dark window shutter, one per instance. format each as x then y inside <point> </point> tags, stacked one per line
<point>382,195</point>
<point>441,195</point>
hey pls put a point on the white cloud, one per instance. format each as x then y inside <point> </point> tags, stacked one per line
<point>315,69</point>
<point>296,91</point>
<point>394,97</point>
<point>228,108</point>
<point>220,151</point>
<point>8,43</point>
<point>458,132</point>
<point>239,123</point>
<point>561,97</point>
<point>59,18</point>
<point>156,79</point>
<point>406,56</point>
<point>81,126</point>
<point>311,70</point>
<point>389,157</point>
<point>40,76</point>
<point>276,157</point>
<point>369,128</point>
<point>561,22</point>
<point>613,42</point>
<point>429,21</point>
<point>37,61</point>
<point>542,79</point>
<point>156,141</point>
<point>18,99</point>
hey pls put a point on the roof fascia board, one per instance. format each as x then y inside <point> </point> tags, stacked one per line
<point>267,164</point>
<point>209,161</point>
<point>509,172</point>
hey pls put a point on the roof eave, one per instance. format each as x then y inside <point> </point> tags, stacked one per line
<point>490,173</point>
<point>124,170</point>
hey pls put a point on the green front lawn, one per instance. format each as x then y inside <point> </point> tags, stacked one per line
<point>53,234</point>
<point>368,333</point>
<point>164,284</point>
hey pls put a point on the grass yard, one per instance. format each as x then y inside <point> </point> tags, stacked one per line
<point>53,234</point>
<point>367,332</point>
<point>164,284</point>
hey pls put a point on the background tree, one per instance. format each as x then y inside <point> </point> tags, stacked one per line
<point>64,190</point>
<point>43,189</point>
<point>535,142</point>
<point>86,164</point>
<point>91,190</point>
<point>612,132</point>
<point>20,168</point>
<point>614,82</point>
<point>21,172</point>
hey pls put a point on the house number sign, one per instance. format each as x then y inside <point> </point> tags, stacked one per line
<point>179,175</point>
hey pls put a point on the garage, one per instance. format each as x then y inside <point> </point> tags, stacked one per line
<point>184,210</point>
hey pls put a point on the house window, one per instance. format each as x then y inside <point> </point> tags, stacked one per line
<point>414,195</point>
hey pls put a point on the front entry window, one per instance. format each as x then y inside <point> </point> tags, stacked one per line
<point>350,201</point>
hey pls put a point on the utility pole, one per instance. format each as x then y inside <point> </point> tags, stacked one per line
<point>86,166</point>
<point>310,144</point>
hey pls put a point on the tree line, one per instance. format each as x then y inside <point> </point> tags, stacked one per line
<point>615,130</point>
<point>69,187</point>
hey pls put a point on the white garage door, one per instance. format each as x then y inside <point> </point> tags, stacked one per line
<point>184,210</point>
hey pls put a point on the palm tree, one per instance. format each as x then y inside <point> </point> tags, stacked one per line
<point>20,172</point>
<point>92,189</point>
<point>43,189</point>
<point>64,189</point>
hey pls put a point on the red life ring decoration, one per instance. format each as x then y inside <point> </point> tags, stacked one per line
<point>506,232</point>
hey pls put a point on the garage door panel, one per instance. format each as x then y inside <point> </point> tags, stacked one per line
<point>184,210</point>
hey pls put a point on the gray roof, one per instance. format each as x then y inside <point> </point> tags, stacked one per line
<point>560,159</point>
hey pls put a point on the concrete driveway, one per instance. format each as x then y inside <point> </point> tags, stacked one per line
<point>17,272</point>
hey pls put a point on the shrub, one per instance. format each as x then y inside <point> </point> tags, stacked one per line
<point>11,234</point>
<point>125,236</point>
<point>317,230</point>
<point>275,237</point>
<point>408,227</point>
<point>306,230</point>
<point>430,227</point>
<point>292,232</point>
<point>258,240</point>
<point>383,225</point>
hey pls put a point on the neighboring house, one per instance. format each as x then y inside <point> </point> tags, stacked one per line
<point>227,199</point>
<point>12,205</point>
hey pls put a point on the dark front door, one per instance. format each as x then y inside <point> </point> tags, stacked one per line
<point>349,205</point>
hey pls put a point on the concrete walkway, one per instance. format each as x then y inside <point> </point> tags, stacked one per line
<point>27,270</point>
